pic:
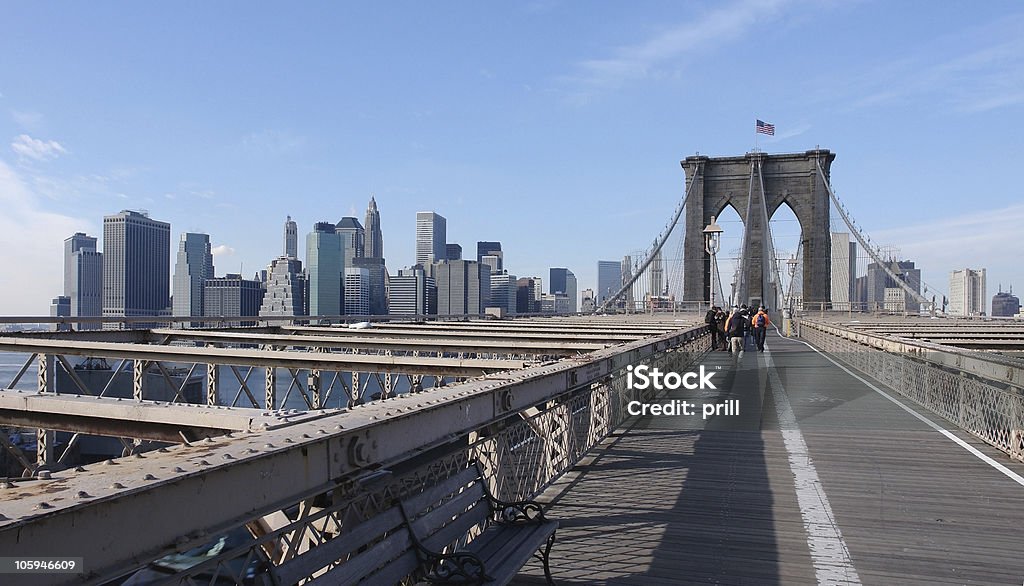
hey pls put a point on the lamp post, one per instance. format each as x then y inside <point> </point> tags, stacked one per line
<point>712,239</point>
<point>787,314</point>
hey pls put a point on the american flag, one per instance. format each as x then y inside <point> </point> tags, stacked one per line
<point>765,128</point>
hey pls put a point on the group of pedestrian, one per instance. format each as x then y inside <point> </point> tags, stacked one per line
<point>733,332</point>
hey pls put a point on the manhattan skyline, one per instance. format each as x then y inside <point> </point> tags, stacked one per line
<point>557,132</point>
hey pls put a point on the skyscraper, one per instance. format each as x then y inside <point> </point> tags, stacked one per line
<point>374,236</point>
<point>485,248</point>
<point>563,281</point>
<point>503,292</point>
<point>285,288</point>
<point>325,269</point>
<point>463,287</point>
<point>412,292</point>
<point>83,277</point>
<point>527,298</point>
<point>291,238</point>
<point>878,281</point>
<point>352,236</point>
<point>1005,304</point>
<point>609,279</point>
<point>431,234</point>
<point>657,276</point>
<point>232,296</point>
<point>378,279</point>
<point>844,270</point>
<point>136,265</point>
<point>967,292</point>
<point>453,251</point>
<point>357,291</point>
<point>193,267</point>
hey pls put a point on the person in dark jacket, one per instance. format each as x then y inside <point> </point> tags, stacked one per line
<point>760,323</point>
<point>734,328</point>
<point>720,319</point>
<point>709,319</point>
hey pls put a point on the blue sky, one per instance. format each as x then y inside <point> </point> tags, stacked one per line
<point>554,127</point>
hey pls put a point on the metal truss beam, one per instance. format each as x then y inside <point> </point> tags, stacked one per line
<point>192,491</point>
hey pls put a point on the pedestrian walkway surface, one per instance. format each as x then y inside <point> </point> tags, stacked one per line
<point>819,480</point>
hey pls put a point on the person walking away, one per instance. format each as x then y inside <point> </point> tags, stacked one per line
<point>720,318</point>
<point>734,326</point>
<point>748,336</point>
<point>712,327</point>
<point>760,323</point>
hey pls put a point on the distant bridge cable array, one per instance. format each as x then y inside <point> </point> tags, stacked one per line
<point>655,249</point>
<point>898,279</point>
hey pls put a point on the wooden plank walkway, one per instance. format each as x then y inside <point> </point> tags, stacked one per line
<point>671,500</point>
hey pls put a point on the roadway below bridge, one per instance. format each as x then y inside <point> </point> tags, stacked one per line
<point>825,476</point>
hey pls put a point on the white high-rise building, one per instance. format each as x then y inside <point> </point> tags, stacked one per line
<point>844,270</point>
<point>291,238</point>
<point>967,292</point>
<point>357,291</point>
<point>431,234</point>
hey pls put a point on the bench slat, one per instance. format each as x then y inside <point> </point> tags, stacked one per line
<point>417,503</point>
<point>513,551</point>
<point>337,548</point>
<point>450,521</point>
<point>395,550</point>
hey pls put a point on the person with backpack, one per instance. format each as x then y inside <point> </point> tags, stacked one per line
<point>734,327</point>
<point>760,323</point>
<point>748,313</point>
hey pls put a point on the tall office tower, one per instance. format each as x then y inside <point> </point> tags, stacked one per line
<point>431,234</point>
<point>503,292</point>
<point>291,238</point>
<point>526,295</point>
<point>1005,304</point>
<point>378,280</point>
<point>878,281</point>
<point>136,265</point>
<point>656,276</point>
<point>463,287</point>
<point>609,279</point>
<point>352,237</point>
<point>453,251</point>
<point>374,236</point>
<point>325,269</point>
<point>232,296</point>
<point>193,267</point>
<point>844,271</point>
<point>412,292</point>
<point>492,261</point>
<point>357,291</point>
<point>627,274</point>
<point>967,292</point>
<point>564,281</point>
<point>484,248</point>
<point>285,288</point>
<point>83,277</point>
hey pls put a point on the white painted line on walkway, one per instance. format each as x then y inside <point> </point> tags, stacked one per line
<point>950,435</point>
<point>831,557</point>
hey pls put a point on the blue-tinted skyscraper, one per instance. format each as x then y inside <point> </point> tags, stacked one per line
<point>83,277</point>
<point>193,267</point>
<point>325,267</point>
<point>563,281</point>
<point>609,279</point>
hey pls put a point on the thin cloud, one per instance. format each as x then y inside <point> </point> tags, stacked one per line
<point>988,77</point>
<point>645,59</point>
<point>37,235</point>
<point>29,120</point>
<point>40,150</point>
<point>272,142</point>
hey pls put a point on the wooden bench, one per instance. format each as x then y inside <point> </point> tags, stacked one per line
<point>416,532</point>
